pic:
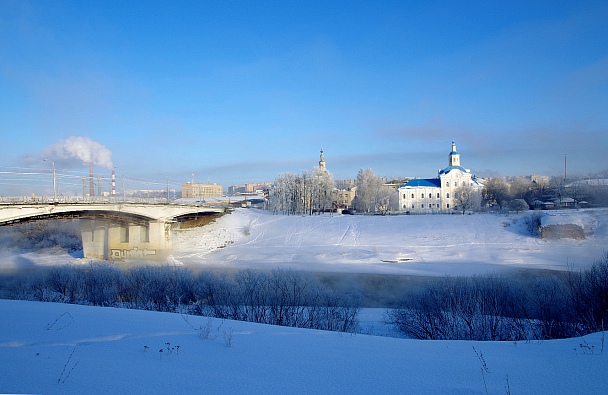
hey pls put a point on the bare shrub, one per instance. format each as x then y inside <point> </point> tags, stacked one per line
<point>452,308</point>
<point>39,235</point>
<point>280,297</point>
<point>588,295</point>
<point>532,222</point>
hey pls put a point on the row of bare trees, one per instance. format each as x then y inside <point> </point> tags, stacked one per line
<point>499,308</point>
<point>313,192</point>
<point>279,297</point>
<point>498,192</point>
<point>373,195</point>
<point>304,193</point>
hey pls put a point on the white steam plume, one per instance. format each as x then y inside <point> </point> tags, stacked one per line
<point>82,149</point>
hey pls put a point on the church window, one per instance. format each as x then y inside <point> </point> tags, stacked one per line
<point>422,196</point>
<point>412,206</point>
<point>448,205</point>
<point>412,195</point>
<point>437,195</point>
<point>447,184</point>
<point>448,195</point>
<point>422,206</point>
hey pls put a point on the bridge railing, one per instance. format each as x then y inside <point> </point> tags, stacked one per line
<point>17,200</point>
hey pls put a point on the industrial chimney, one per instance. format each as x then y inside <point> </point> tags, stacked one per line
<point>91,182</point>
<point>113,182</point>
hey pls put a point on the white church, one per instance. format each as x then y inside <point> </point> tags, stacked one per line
<point>437,194</point>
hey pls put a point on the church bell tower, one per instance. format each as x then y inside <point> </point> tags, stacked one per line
<point>453,157</point>
<point>322,161</point>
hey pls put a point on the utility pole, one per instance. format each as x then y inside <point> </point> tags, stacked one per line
<point>565,169</point>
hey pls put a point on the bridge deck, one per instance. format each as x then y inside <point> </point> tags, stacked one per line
<point>136,212</point>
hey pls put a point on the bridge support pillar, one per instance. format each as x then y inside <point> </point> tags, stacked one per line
<point>119,241</point>
<point>93,233</point>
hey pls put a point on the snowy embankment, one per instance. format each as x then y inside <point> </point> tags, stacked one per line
<point>410,245</point>
<point>69,349</point>
<point>566,224</point>
<point>56,348</point>
<point>419,245</point>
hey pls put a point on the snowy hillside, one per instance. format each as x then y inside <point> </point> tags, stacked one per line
<point>57,348</point>
<point>69,349</point>
<point>422,245</point>
<point>413,245</point>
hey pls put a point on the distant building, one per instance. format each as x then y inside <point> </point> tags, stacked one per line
<point>539,180</point>
<point>345,184</point>
<point>201,191</point>
<point>249,188</point>
<point>435,194</point>
<point>343,198</point>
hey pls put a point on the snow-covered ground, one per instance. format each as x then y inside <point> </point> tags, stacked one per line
<point>69,349</point>
<point>429,245</point>
<point>55,348</point>
<point>419,245</point>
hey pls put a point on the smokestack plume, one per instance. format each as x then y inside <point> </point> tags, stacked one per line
<point>91,183</point>
<point>77,151</point>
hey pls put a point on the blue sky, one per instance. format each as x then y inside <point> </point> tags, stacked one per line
<point>236,92</point>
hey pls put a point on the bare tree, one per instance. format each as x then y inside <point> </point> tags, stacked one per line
<point>467,198</point>
<point>372,193</point>
<point>496,191</point>
<point>518,205</point>
<point>322,186</point>
<point>520,188</point>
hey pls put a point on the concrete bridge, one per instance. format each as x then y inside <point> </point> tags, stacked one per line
<point>115,231</point>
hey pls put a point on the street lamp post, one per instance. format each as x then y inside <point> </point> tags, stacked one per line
<point>167,179</point>
<point>54,181</point>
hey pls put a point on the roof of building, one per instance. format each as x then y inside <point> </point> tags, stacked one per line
<point>423,182</point>
<point>450,168</point>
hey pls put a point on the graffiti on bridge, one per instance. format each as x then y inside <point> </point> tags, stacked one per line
<point>132,253</point>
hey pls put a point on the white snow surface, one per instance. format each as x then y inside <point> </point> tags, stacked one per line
<point>430,245</point>
<point>424,245</point>
<point>55,348</point>
<point>569,218</point>
<point>70,349</point>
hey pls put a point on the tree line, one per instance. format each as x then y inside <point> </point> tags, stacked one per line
<point>499,308</point>
<point>280,297</point>
<point>314,191</point>
<point>304,193</point>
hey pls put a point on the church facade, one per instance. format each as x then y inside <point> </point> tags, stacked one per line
<point>437,194</point>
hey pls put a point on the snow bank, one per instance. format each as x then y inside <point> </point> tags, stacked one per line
<point>68,349</point>
<point>578,218</point>
<point>427,245</point>
<point>566,224</point>
<point>418,245</point>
